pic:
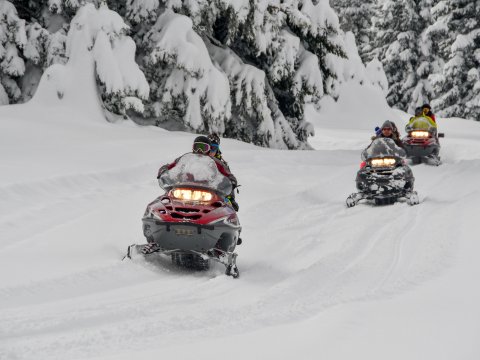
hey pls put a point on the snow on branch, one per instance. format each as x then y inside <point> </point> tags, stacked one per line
<point>141,10</point>
<point>100,56</point>
<point>13,39</point>
<point>113,53</point>
<point>256,114</point>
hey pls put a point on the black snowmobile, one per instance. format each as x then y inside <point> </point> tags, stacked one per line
<point>193,222</point>
<point>421,142</point>
<point>384,176</point>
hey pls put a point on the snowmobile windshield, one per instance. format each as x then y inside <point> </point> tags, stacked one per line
<point>383,147</point>
<point>421,123</point>
<point>196,170</point>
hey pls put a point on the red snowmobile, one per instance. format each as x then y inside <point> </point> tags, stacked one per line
<point>193,221</point>
<point>421,142</point>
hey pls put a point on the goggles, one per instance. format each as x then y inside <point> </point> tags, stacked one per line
<point>387,128</point>
<point>201,147</point>
<point>214,147</point>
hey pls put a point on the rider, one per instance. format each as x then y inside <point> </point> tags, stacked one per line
<point>217,154</point>
<point>389,130</point>
<point>418,111</point>
<point>427,111</point>
<point>423,112</point>
<point>202,145</point>
<point>215,148</point>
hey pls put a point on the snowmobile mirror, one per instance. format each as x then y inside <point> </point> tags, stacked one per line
<point>441,135</point>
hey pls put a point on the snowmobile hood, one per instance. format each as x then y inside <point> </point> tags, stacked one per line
<point>383,147</point>
<point>195,169</point>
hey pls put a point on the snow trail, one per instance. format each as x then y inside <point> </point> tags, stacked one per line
<point>306,258</point>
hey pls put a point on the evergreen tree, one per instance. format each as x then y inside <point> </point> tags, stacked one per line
<point>242,68</point>
<point>186,84</point>
<point>47,23</point>
<point>122,84</point>
<point>13,39</point>
<point>284,54</point>
<point>377,76</point>
<point>356,16</point>
<point>401,49</point>
<point>458,87</point>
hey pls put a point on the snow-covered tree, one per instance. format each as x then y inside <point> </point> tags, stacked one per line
<point>281,55</point>
<point>122,83</point>
<point>458,87</point>
<point>242,68</point>
<point>377,76</point>
<point>186,79</point>
<point>138,11</point>
<point>356,16</point>
<point>437,33</point>
<point>99,52</point>
<point>403,53</point>
<point>353,68</point>
<point>46,25</point>
<point>13,39</point>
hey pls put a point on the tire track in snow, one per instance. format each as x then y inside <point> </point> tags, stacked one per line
<point>346,265</point>
<point>24,204</point>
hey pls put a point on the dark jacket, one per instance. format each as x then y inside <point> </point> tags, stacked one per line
<point>398,141</point>
<point>395,133</point>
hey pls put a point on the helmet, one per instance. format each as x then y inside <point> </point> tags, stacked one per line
<point>388,125</point>
<point>426,106</point>
<point>418,111</point>
<point>201,145</point>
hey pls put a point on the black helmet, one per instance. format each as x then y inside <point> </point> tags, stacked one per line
<point>214,138</point>
<point>426,106</point>
<point>201,145</point>
<point>418,111</point>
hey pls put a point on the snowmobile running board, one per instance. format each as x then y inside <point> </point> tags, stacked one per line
<point>229,259</point>
<point>354,198</point>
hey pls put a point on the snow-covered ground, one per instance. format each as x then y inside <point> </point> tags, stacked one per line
<point>318,280</point>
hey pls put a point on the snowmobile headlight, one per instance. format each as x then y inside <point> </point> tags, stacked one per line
<point>382,162</point>
<point>419,134</point>
<point>192,195</point>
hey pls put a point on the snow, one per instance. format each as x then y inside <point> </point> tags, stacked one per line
<point>139,10</point>
<point>12,64</point>
<point>175,43</point>
<point>308,74</point>
<point>461,42</point>
<point>374,71</point>
<point>113,52</point>
<point>353,66</point>
<point>3,96</point>
<point>319,16</point>
<point>248,84</point>
<point>318,280</point>
<point>241,7</point>
<point>284,62</point>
